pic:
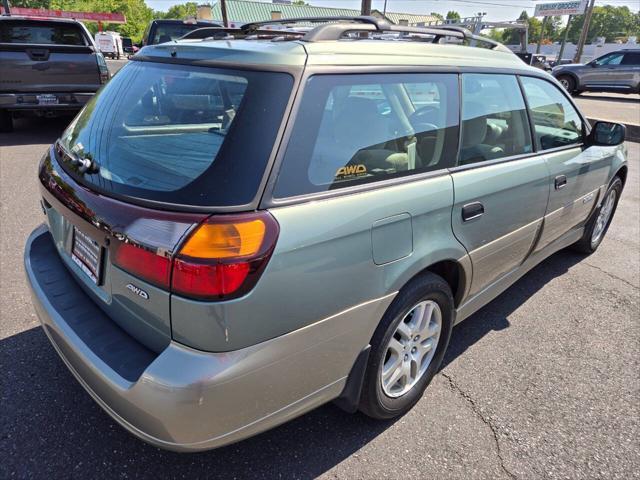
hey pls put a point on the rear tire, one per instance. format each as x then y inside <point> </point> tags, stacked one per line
<point>425,308</point>
<point>598,225</point>
<point>568,83</point>
<point>6,121</point>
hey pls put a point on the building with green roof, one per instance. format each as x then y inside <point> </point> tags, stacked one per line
<point>240,12</point>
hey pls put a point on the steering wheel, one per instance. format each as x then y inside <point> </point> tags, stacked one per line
<point>421,120</point>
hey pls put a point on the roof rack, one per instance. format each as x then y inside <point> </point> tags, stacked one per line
<point>335,28</point>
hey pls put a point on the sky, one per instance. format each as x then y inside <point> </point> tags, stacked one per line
<point>496,10</point>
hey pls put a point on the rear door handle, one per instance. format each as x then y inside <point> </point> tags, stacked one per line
<point>472,210</point>
<point>560,182</point>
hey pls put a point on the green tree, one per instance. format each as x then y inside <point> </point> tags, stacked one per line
<point>137,14</point>
<point>437,15</point>
<point>452,15</point>
<point>511,36</point>
<point>29,3</point>
<point>186,10</point>
<point>607,21</point>
<point>494,34</point>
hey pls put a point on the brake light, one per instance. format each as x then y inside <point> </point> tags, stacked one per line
<point>147,265</point>
<point>224,256</point>
<point>102,67</point>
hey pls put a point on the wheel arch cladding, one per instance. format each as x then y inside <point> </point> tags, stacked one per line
<point>622,174</point>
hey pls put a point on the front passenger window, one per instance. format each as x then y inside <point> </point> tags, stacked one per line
<point>494,119</point>
<point>556,122</point>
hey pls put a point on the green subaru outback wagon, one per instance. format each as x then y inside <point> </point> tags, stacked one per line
<point>240,230</point>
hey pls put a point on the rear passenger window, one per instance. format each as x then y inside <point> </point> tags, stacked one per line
<point>354,129</point>
<point>494,119</point>
<point>631,59</point>
<point>556,123</point>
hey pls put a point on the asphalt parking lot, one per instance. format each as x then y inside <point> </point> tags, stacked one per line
<point>542,383</point>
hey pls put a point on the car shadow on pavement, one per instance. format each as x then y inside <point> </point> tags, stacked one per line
<point>631,98</point>
<point>46,130</point>
<point>51,428</point>
<point>494,316</point>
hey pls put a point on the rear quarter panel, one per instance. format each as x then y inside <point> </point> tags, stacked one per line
<point>323,264</point>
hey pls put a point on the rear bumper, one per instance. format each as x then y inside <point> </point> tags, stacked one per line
<point>183,399</point>
<point>29,101</point>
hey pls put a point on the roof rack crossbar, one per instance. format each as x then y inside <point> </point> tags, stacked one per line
<point>248,27</point>
<point>335,28</point>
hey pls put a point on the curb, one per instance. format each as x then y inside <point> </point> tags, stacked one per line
<point>633,129</point>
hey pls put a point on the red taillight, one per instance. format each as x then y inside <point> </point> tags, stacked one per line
<point>145,264</point>
<point>222,258</point>
<point>206,281</point>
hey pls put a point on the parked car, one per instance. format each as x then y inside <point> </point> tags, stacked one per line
<point>239,231</point>
<point>46,67</point>
<point>540,61</point>
<point>110,44</point>
<point>129,48</point>
<point>617,72</point>
<point>162,31</point>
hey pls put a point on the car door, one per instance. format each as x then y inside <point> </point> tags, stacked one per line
<point>576,172</point>
<point>631,69</point>
<point>500,185</point>
<point>605,73</point>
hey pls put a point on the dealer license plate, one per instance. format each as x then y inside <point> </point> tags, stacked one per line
<point>47,99</point>
<point>87,254</point>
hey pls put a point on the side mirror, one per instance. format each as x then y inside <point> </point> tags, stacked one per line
<point>607,134</point>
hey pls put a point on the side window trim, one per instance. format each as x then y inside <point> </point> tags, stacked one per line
<point>532,129</point>
<point>586,126</point>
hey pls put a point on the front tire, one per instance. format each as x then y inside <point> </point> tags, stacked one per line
<point>408,346</point>
<point>598,225</point>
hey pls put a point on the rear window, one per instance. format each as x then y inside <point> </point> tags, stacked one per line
<point>179,134</point>
<point>41,33</point>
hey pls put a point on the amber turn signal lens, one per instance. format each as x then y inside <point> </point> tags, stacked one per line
<point>225,240</point>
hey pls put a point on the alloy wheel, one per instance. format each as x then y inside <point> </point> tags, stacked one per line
<point>411,348</point>
<point>603,217</point>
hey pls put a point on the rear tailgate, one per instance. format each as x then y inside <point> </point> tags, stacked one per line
<point>42,56</point>
<point>88,229</point>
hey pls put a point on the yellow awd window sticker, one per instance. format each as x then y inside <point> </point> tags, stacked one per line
<point>351,171</point>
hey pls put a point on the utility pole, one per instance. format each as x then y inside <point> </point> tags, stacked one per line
<point>7,10</point>
<point>585,31</point>
<point>564,40</point>
<point>366,7</point>
<point>223,9</point>
<point>544,25</point>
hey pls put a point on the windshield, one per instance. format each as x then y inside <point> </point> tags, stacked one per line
<point>179,134</point>
<point>165,32</point>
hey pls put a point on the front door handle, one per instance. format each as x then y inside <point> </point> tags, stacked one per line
<point>560,182</point>
<point>472,210</point>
